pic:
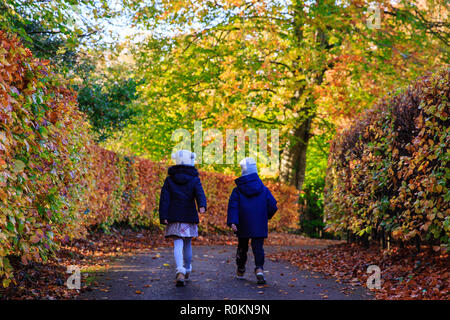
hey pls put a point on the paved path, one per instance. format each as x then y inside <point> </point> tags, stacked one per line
<point>151,276</point>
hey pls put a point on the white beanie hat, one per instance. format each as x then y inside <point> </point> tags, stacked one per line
<point>248,166</point>
<point>184,157</point>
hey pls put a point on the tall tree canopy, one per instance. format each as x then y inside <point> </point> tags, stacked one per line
<point>291,65</point>
<point>55,29</point>
<point>72,34</point>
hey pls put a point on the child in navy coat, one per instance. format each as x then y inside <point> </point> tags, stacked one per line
<point>250,207</point>
<point>181,196</point>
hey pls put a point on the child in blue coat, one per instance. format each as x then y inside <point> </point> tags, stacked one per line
<point>181,196</point>
<point>250,207</point>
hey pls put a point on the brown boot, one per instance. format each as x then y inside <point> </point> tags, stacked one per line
<point>240,273</point>
<point>180,280</point>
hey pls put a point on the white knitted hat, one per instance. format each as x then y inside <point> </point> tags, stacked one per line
<point>248,166</point>
<point>184,157</point>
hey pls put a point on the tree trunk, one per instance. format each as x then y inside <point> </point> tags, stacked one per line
<point>293,159</point>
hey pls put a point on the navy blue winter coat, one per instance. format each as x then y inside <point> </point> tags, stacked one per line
<point>250,207</point>
<point>181,195</point>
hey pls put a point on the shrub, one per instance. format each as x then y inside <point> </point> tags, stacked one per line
<point>388,173</point>
<point>42,150</point>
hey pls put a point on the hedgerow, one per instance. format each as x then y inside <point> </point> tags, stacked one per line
<point>55,182</point>
<point>42,155</point>
<point>127,189</point>
<point>388,174</point>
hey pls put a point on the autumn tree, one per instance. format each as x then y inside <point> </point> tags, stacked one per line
<point>279,64</point>
<point>57,30</point>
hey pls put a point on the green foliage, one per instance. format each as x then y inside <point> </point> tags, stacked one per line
<point>108,106</point>
<point>68,20</point>
<point>311,196</point>
<point>45,44</point>
<point>268,64</point>
<point>57,29</point>
<point>106,90</point>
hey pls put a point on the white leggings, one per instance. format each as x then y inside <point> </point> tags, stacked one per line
<point>182,252</point>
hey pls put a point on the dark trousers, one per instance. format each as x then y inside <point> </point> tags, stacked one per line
<point>258,252</point>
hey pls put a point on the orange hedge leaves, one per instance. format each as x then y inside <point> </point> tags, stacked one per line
<point>42,154</point>
<point>55,182</point>
<point>389,173</point>
<point>127,189</point>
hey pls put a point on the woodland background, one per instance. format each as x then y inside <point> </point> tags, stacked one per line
<point>92,90</point>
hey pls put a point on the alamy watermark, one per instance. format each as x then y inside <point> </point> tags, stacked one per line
<point>374,280</point>
<point>374,17</point>
<point>74,281</point>
<point>265,154</point>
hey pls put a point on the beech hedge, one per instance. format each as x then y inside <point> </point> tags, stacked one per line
<point>388,173</point>
<point>42,156</point>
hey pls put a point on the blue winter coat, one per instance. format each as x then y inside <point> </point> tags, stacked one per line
<point>181,195</point>
<point>250,207</point>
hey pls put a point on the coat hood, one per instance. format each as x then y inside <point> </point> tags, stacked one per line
<point>250,185</point>
<point>182,174</point>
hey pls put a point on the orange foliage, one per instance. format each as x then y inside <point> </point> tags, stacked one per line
<point>127,189</point>
<point>55,182</point>
<point>388,173</point>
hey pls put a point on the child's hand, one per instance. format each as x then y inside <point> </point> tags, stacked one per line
<point>233,227</point>
<point>202,209</point>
